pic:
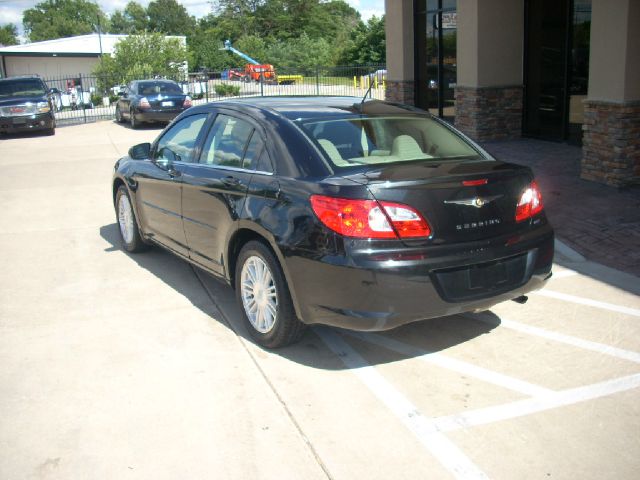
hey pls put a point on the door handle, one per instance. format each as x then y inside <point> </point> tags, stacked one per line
<point>231,181</point>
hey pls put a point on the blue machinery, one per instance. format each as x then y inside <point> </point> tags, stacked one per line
<point>227,46</point>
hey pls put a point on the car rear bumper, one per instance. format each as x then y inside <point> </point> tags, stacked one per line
<point>43,121</point>
<point>366,291</point>
<point>157,115</point>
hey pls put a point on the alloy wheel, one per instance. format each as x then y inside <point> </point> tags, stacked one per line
<point>125,219</point>
<point>259,294</point>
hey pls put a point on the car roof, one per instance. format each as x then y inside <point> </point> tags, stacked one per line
<point>301,107</point>
<point>21,77</point>
<point>155,80</point>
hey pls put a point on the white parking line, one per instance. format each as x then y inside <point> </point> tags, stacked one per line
<point>445,451</point>
<point>562,338</point>
<point>533,405</point>
<point>587,301</point>
<point>459,366</point>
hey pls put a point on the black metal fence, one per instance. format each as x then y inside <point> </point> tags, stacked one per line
<point>87,98</point>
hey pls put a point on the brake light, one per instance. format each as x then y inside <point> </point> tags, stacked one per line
<point>369,219</point>
<point>187,102</point>
<point>144,103</point>
<point>530,203</point>
<point>474,183</point>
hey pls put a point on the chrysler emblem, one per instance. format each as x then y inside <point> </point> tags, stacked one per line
<point>475,201</point>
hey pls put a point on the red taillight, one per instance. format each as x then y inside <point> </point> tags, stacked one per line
<point>144,103</point>
<point>473,183</point>
<point>187,102</point>
<point>369,218</point>
<point>530,203</point>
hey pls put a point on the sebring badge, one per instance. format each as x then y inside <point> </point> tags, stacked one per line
<point>475,201</point>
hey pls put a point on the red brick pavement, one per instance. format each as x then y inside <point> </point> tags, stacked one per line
<point>600,222</point>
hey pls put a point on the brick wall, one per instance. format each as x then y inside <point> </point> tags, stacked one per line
<point>489,113</point>
<point>402,92</point>
<point>611,143</point>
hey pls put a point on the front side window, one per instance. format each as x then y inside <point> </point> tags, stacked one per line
<point>178,143</point>
<point>231,143</point>
<point>371,140</point>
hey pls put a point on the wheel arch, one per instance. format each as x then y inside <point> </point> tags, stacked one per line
<point>117,183</point>
<point>239,239</point>
<point>121,182</point>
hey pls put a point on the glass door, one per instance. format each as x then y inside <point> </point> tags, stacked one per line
<point>436,57</point>
<point>556,68</point>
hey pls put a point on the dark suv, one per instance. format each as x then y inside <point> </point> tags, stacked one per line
<point>25,104</point>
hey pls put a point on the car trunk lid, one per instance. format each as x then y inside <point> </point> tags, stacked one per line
<point>461,200</point>
<point>166,101</point>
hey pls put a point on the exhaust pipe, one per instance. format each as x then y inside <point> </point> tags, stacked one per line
<point>522,299</point>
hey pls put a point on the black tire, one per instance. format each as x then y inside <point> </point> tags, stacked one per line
<point>51,131</point>
<point>134,243</point>
<point>132,119</point>
<point>286,329</point>
<point>119,117</point>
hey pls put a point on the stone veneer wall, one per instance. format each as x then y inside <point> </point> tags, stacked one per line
<point>402,92</point>
<point>489,113</point>
<point>611,143</point>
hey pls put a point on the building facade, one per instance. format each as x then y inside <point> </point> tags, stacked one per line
<point>560,70</point>
<point>62,57</point>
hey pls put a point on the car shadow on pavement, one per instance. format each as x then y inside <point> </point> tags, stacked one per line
<point>143,126</point>
<point>314,349</point>
<point>29,134</point>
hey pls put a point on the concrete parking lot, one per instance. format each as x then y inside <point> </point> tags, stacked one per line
<point>137,366</point>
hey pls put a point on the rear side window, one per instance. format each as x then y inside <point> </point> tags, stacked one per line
<point>372,140</point>
<point>231,142</point>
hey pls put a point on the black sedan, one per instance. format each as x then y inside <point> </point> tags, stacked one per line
<point>329,210</point>
<point>151,101</point>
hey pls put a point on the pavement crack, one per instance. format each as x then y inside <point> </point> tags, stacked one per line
<point>292,418</point>
<point>113,144</point>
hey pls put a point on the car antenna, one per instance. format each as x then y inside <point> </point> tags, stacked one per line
<point>365,95</point>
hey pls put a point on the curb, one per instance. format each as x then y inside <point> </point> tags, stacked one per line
<point>568,252</point>
<point>573,260</point>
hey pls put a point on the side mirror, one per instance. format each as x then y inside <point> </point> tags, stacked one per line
<point>166,158</point>
<point>54,91</point>
<point>140,151</point>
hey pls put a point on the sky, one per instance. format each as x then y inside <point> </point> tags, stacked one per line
<point>11,10</point>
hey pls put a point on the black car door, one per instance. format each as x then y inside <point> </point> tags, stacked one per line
<point>215,188</point>
<point>159,186</point>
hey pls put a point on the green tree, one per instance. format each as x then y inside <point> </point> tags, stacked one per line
<point>204,48</point>
<point>8,35</point>
<point>283,19</point>
<point>119,23</point>
<point>133,19</point>
<point>170,18</point>
<point>300,54</point>
<point>141,56</point>
<point>254,46</point>
<point>62,18</point>
<point>367,44</point>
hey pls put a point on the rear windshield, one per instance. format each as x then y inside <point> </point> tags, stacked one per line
<point>29,87</point>
<point>373,140</point>
<point>154,88</point>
